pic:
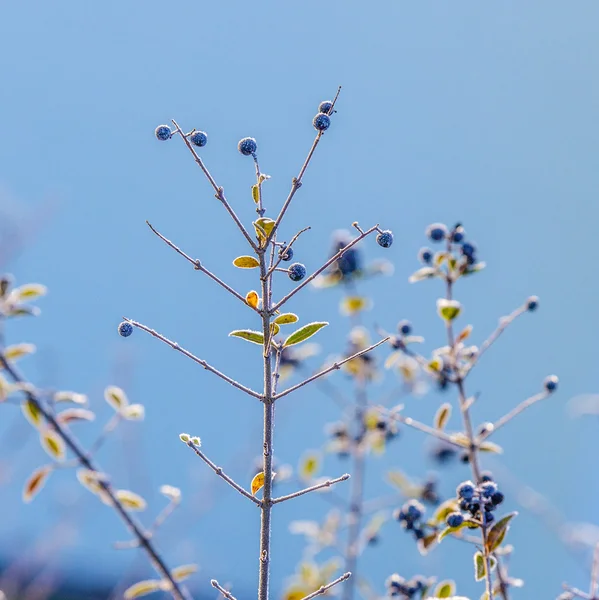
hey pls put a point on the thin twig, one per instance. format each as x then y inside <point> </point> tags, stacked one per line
<point>178,592</point>
<point>515,412</point>
<point>220,193</point>
<point>297,181</point>
<point>222,590</point>
<point>219,471</point>
<point>200,361</point>
<point>327,264</point>
<point>335,366</point>
<point>287,246</point>
<point>436,433</point>
<point>595,574</point>
<point>198,266</point>
<point>324,588</point>
<point>313,488</point>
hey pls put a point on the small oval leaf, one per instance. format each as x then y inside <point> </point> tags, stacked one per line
<point>134,412</point>
<point>256,193</point>
<point>442,416</point>
<point>130,500</point>
<point>183,572</point>
<point>426,544</point>
<point>303,333</point>
<point>36,482</point>
<point>255,337</point>
<point>498,531</point>
<point>29,291</point>
<point>116,397</point>
<point>53,444</point>
<point>252,299</point>
<point>258,482</point>
<point>32,413</point>
<point>309,466</point>
<point>75,414</point>
<point>142,588</point>
<point>445,589</point>
<point>422,274</point>
<point>67,396</point>
<point>18,350</point>
<point>246,262</point>
<point>286,318</point>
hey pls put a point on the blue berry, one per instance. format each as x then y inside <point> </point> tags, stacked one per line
<point>425,255</point>
<point>325,107</point>
<point>125,329</point>
<point>468,249</point>
<point>454,519</point>
<point>465,490</point>
<point>436,232</point>
<point>532,303</point>
<point>384,238</point>
<point>413,510</point>
<point>550,383</point>
<point>297,272</point>
<point>321,121</point>
<point>285,253</point>
<point>486,476</point>
<point>163,132</point>
<point>404,327</point>
<point>247,146</point>
<point>487,489</point>
<point>488,518</point>
<point>458,235</point>
<point>497,498</point>
<point>198,138</point>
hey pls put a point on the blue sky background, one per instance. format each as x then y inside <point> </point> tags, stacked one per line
<point>484,113</point>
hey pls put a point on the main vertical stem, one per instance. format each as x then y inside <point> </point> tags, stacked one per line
<point>357,493</point>
<point>269,418</point>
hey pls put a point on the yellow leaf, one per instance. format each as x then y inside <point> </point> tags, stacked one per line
<point>183,572</point>
<point>32,412</point>
<point>352,305</point>
<point>258,482</point>
<point>36,482</point>
<point>29,292</point>
<point>286,318</point>
<point>18,350</point>
<point>256,193</point>
<point>142,588</point>
<point>134,412</point>
<point>246,262</point>
<point>53,444</point>
<point>442,416</point>
<point>465,333</point>
<point>116,397</point>
<point>274,329</point>
<point>252,299</point>
<point>91,480</point>
<point>309,466</point>
<point>263,227</point>
<point>130,500</point>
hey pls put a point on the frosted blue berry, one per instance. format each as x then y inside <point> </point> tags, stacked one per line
<point>247,146</point>
<point>404,327</point>
<point>436,232</point>
<point>163,132</point>
<point>321,122</point>
<point>285,253</point>
<point>497,498</point>
<point>487,489</point>
<point>458,234</point>
<point>297,272</point>
<point>384,238</point>
<point>198,138</point>
<point>425,256</point>
<point>413,510</point>
<point>468,249</point>
<point>454,519</point>
<point>465,490</point>
<point>550,383</point>
<point>532,303</point>
<point>325,107</point>
<point>488,518</point>
<point>125,329</point>
<point>486,476</point>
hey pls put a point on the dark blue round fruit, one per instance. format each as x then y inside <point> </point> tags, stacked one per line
<point>404,327</point>
<point>285,253</point>
<point>198,138</point>
<point>465,490</point>
<point>325,107</point>
<point>321,122</point>
<point>454,519</point>
<point>384,239</point>
<point>247,146</point>
<point>297,272</point>
<point>125,329</point>
<point>550,383</point>
<point>487,488</point>
<point>163,132</point>
<point>425,255</point>
<point>436,232</point>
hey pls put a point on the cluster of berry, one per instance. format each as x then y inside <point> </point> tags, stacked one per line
<point>480,501</point>
<point>437,232</point>
<point>410,517</point>
<point>397,586</point>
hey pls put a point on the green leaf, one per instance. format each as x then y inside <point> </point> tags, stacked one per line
<point>286,318</point>
<point>246,262</point>
<point>255,337</point>
<point>449,530</point>
<point>480,567</point>
<point>256,193</point>
<point>53,444</point>
<point>445,589</point>
<point>448,309</point>
<point>490,447</point>
<point>32,412</point>
<point>426,543</point>
<point>442,416</point>
<point>141,588</point>
<point>498,531</point>
<point>263,227</point>
<point>303,333</point>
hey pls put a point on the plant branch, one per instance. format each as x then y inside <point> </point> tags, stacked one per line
<point>313,488</point>
<point>324,588</point>
<point>219,471</point>
<point>327,264</point>
<point>297,181</point>
<point>436,433</point>
<point>220,193</point>
<point>289,245</point>
<point>515,412</point>
<point>178,592</point>
<point>198,266</point>
<point>222,590</point>
<point>200,361</point>
<point>335,366</point>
